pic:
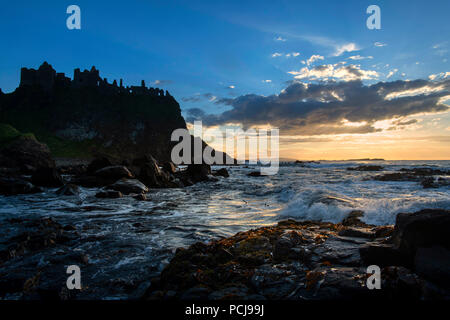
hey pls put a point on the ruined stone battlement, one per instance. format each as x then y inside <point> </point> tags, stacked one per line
<point>48,78</point>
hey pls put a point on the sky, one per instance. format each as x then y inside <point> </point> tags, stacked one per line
<point>312,69</point>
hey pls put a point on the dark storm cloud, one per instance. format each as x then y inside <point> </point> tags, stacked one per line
<point>320,108</point>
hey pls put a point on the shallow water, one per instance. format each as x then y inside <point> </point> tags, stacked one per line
<point>128,241</point>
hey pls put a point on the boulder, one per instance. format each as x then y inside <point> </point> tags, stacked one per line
<point>89,181</point>
<point>68,190</point>
<point>424,228</point>
<point>27,154</point>
<point>98,164</point>
<point>109,194</point>
<point>198,172</point>
<point>223,172</point>
<point>114,173</point>
<point>47,177</point>
<point>433,263</point>
<point>127,186</point>
<point>13,186</point>
<point>255,174</point>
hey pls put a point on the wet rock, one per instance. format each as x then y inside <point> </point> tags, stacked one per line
<point>98,164</point>
<point>140,197</point>
<point>231,293</point>
<point>198,172</point>
<point>357,232</point>
<point>425,228</point>
<point>127,186</point>
<point>381,254</point>
<point>198,293</point>
<point>68,190</point>
<point>88,181</point>
<point>47,177</point>
<point>114,173</point>
<point>150,173</point>
<point>109,194</point>
<point>255,174</point>
<point>223,172</point>
<point>13,186</point>
<point>353,219</point>
<point>366,168</point>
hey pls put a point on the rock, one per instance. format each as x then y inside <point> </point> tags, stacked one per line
<point>199,172</point>
<point>433,263</point>
<point>197,293</point>
<point>169,167</point>
<point>366,168</point>
<point>221,172</point>
<point>140,197</point>
<point>282,249</point>
<point>255,174</point>
<point>88,181</point>
<point>231,293</point>
<point>380,254</point>
<point>353,219</point>
<point>357,232</point>
<point>27,154</point>
<point>13,186</point>
<point>98,164</point>
<point>47,177</point>
<point>68,190</point>
<point>109,194</point>
<point>425,228</point>
<point>127,186</point>
<point>114,173</point>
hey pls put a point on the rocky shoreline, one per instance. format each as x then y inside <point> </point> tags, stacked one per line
<point>316,261</point>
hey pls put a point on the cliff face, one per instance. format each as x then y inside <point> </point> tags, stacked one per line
<point>87,116</point>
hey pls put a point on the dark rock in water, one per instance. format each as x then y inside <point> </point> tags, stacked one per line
<point>47,177</point>
<point>27,154</point>
<point>127,186</point>
<point>89,181</point>
<point>432,182</point>
<point>366,168</point>
<point>141,161</point>
<point>425,228</point>
<point>198,172</point>
<point>380,254</point>
<point>152,176</point>
<point>353,219</point>
<point>98,164</point>
<point>255,174</point>
<point>424,171</point>
<point>140,197</point>
<point>223,172</point>
<point>422,175</point>
<point>14,186</point>
<point>114,173</point>
<point>109,194</point>
<point>169,167</point>
<point>68,190</point>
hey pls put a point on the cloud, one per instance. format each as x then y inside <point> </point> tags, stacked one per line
<point>391,73</point>
<point>333,107</point>
<point>313,58</point>
<point>348,47</point>
<point>231,87</point>
<point>358,57</point>
<point>437,76</point>
<point>276,54</point>
<point>379,44</point>
<point>198,97</point>
<point>335,71</point>
<point>293,54</point>
<point>266,81</point>
<point>280,39</point>
<point>162,82</point>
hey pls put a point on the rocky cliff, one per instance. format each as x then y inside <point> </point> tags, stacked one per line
<point>87,116</point>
